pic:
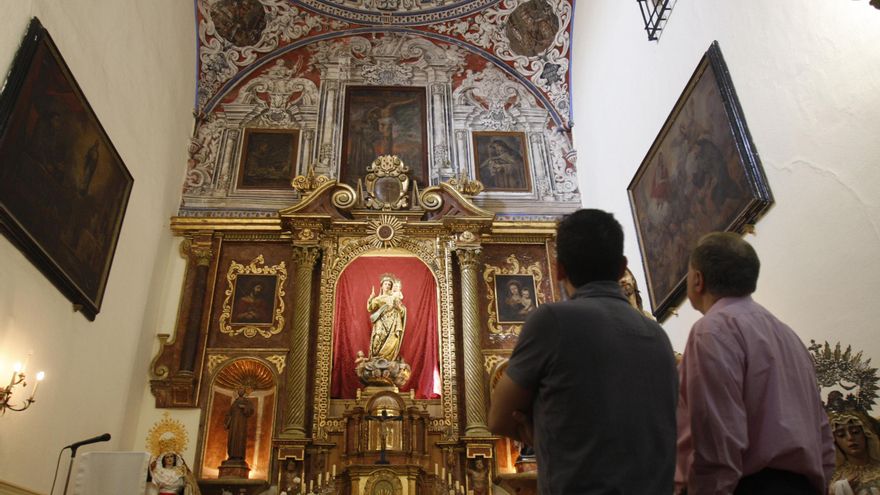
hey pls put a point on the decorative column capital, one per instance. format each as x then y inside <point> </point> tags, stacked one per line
<point>199,251</point>
<point>305,256</point>
<point>469,258</point>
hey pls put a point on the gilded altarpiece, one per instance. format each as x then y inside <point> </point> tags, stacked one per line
<point>263,311</point>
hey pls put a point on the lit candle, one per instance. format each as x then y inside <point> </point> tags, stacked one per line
<point>40,377</point>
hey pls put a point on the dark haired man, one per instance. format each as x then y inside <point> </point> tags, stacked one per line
<point>591,377</point>
<point>750,418</point>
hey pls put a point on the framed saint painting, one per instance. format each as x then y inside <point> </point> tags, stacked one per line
<point>63,186</point>
<point>268,159</point>
<point>701,174</point>
<point>384,120</point>
<point>515,297</point>
<point>501,161</point>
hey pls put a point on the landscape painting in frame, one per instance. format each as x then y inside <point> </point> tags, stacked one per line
<point>501,161</point>
<point>268,158</point>
<point>515,297</point>
<point>701,174</point>
<point>63,186</point>
<point>384,120</point>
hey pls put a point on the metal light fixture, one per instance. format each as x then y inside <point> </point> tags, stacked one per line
<point>18,379</point>
<point>655,13</point>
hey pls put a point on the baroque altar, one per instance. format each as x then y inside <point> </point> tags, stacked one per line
<point>365,325</point>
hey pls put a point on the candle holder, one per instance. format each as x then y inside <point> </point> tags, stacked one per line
<point>18,380</point>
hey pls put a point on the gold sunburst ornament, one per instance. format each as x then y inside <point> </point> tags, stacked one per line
<point>167,435</point>
<point>383,231</point>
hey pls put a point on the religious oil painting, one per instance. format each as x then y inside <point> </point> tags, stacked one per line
<point>382,120</point>
<point>53,146</point>
<point>501,161</point>
<point>253,299</point>
<point>515,297</point>
<point>532,28</point>
<point>268,158</point>
<point>254,303</point>
<point>701,174</point>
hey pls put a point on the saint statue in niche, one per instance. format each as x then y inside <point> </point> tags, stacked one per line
<point>388,316</point>
<point>383,366</point>
<point>236,424</point>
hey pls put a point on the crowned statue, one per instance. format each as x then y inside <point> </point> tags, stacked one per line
<point>857,447</point>
<point>384,367</point>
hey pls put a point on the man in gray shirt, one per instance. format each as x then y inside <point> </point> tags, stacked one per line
<point>592,382</point>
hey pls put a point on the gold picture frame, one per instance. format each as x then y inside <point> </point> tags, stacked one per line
<point>250,308</point>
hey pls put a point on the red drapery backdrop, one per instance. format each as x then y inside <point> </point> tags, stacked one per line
<point>352,327</point>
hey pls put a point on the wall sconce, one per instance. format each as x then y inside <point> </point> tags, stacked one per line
<point>18,378</point>
<point>655,13</point>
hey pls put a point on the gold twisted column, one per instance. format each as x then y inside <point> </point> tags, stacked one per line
<point>474,396</point>
<point>304,259</point>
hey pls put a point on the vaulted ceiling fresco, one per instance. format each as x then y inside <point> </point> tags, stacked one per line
<point>474,88</point>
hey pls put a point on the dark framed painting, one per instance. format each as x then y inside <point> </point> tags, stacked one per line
<point>701,174</point>
<point>501,161</point>
<point>515,297</point>
<point>268,159</point>
<point>63,186</point>
<point>253,300</point>
<point>384,120</point>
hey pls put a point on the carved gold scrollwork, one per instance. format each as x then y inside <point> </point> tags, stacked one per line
<point>279,362</point>
<point>468,259</point>
<point>214,360</point>
<point>255,267</point>
<point>380,481</point>
<point>508,331</point>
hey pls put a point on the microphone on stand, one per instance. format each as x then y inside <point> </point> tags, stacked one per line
<point>75,445</point>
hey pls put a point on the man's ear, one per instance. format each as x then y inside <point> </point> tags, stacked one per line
<point>699,284</point>
<point>623,264</point>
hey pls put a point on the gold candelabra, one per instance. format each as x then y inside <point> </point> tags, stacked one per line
<point>18,379</point>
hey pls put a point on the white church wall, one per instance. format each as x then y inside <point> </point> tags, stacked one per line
<point>808,77</point>
<point>134,61</point>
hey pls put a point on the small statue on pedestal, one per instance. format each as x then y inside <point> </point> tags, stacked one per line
<point>240,410</point>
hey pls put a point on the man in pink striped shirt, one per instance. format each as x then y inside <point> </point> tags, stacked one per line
<point>750,419</point>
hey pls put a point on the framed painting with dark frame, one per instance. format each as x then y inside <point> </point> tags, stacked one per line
<point>701,174</point>
<point>384,120</point>
<point>515,297</point>
<point>63,186</point>
<point>501,161</point>
<point>268,159</point>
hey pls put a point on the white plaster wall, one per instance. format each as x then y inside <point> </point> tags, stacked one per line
<point>135,62</point>
<point>808,78</point>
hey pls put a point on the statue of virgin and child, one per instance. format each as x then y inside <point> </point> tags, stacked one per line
<point>384,366</point>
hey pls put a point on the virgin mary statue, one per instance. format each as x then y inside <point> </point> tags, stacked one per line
<point>388,317</point>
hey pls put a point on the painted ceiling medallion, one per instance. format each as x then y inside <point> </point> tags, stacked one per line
<point>531,28</point>
<point>384,231</point>
<point>240,22</point>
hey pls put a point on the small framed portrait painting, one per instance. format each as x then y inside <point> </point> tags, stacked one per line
<point>501,161</point>
<point>268,158</point>
<point>515,297</point>
<point>254,300</point>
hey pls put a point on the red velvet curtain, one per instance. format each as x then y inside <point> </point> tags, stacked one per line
<point>352,327</point>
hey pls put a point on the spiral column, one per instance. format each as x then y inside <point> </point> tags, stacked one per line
<point>304,259</point>
<point>474,394</point>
